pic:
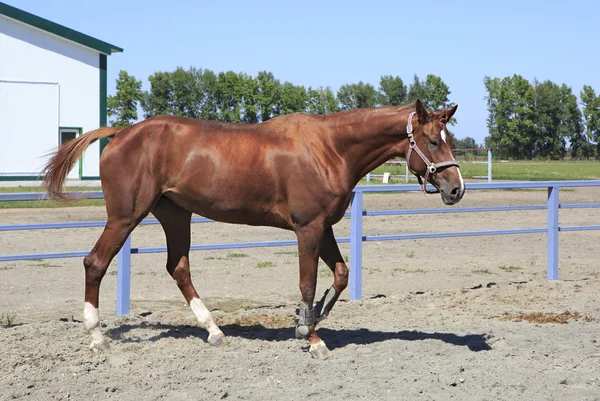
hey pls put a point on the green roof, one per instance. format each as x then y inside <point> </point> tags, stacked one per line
<point>57,29</point>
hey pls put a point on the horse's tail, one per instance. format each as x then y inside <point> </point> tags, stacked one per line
<point>55,172</point>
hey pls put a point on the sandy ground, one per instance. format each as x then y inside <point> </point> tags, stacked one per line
<point>432,324</point>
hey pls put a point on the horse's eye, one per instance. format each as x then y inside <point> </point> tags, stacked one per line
<point>433,142</point>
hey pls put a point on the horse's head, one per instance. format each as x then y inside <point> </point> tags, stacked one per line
<point>429,153</point>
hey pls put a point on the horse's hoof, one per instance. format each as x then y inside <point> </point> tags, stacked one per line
<point>218,341</point>
<point>319,350</point>
<point>100,347</point>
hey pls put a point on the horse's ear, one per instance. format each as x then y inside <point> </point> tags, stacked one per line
<point>421,112</point>
<point>447,114</point>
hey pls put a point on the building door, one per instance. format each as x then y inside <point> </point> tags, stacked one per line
<point>66,134</point>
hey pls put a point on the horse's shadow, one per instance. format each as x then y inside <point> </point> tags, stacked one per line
<point>334,338</point>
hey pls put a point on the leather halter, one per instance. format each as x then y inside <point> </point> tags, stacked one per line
<point>432,168</point>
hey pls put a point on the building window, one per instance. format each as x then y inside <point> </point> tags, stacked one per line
<point>66,134</point>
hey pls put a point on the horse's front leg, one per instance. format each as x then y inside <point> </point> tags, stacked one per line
<point>309,246</point>
<point>330,253</point>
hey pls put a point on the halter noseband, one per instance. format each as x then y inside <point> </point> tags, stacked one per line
<point>432,168</point>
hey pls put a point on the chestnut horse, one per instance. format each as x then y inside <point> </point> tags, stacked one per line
<point>294,172</point>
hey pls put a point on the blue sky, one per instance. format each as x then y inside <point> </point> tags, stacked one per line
<point>329,43</point>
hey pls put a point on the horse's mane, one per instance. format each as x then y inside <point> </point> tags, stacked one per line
<point>360,112</point>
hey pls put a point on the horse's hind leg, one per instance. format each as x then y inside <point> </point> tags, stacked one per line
<point>96,263</point>
<point>125,207</point>
<point>176,224</point>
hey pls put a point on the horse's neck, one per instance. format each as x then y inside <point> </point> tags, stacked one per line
<point>369,140</point>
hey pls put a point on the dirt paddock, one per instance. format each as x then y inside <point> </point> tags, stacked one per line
<point>458,318</point>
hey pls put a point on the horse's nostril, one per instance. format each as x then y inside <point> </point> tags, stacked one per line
<point>455,191</point>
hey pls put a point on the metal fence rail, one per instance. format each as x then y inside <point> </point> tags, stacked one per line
<point>356,232</point>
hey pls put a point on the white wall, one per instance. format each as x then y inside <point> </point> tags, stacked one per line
<point>19,153</point>
<point>29,54</point>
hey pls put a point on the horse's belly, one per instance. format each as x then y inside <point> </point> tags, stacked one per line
<point>237,207</point>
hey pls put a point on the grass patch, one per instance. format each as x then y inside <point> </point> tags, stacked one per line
<point>237,255</point>
<point>293,253</point>
<point>325,272</point>
<point>509,269</point>
<point>518,170</point>
<point>262,265</point>
<point>9,267</point>
<point>44,264</point>
<point>397,271</point>
<point>40,189</point>
<point>41,204</point>
<point>543,171</point>
<point>7,319</point>
<point>145,273</point>
<point>49,204</point>
<point>481,271</point>
<point>229,256</point>
<point>410,254</point>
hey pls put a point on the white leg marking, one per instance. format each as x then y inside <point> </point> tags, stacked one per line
<point>91,323</point>
<point>204,318</point>
<point>443,135</point>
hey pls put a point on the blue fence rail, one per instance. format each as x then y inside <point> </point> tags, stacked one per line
<point>356,229</point>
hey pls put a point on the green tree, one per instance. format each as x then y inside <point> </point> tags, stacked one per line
<point>591,114</point>
<point>250,95</point>
<point>393,91</point>
<point>208,83</point>
<point>416,90</point>
<point>123,105</point>
<point>186,92</point>
<point>157,101</point>
<point>229,96</point>
<point>465,143</point>
<point>322,101</point>
<point>293,98</point>
<point>436,93</point>
<point>189,93</point>
<point>433,93</point>
<point>571,126</point>
<point>510,120</point>
<point>357,96</point>
<point>269,96</point>
<point>549,140</point>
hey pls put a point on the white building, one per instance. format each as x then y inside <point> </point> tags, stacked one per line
<point>52,89</point>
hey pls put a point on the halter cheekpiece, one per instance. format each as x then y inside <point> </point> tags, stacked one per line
<point>432,168</point>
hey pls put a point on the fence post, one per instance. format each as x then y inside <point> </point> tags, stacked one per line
<point>406,171</point>
<point>124,278</point>
<point>368,177</point>
<point>489,165</point>
<point>356,211</point>
<point>553,233</point>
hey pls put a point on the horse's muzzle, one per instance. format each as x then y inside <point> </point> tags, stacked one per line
<point>453,196</point>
